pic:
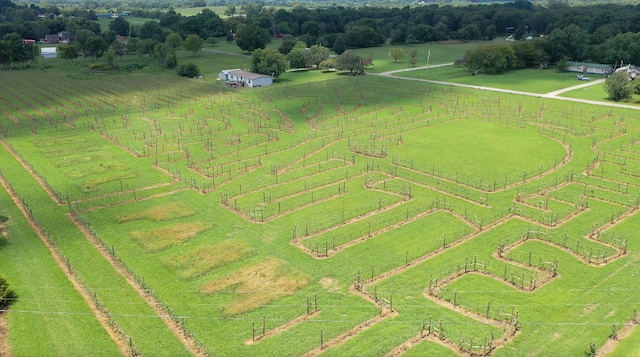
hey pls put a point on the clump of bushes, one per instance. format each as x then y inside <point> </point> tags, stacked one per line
<point>188,70</point>
<point>7,296</point>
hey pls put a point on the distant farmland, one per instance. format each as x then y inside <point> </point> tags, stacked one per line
<point>353,216</point>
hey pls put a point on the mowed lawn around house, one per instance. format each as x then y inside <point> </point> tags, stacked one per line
<point>429,53</point>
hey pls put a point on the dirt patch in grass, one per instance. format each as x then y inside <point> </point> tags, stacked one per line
<point>159,239</point>
<point>330,284</point>
<point>589,309</point>
<point>159,213</point>
<point>4,338</point>
<point>258,285</point>
<point>198,262</point>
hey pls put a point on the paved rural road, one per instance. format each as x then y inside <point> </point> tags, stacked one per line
<point>552,95</point>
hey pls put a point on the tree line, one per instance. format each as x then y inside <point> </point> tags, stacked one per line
<point>598,33</point>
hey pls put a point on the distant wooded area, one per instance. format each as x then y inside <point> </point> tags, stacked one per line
<point>604,33</point>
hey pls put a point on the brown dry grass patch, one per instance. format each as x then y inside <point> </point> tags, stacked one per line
<point>258,285</point>
<point>159,213</point>
<point>199,262</point>
<point>163,238</point>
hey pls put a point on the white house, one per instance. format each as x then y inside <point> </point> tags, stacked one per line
<point>590,68</point>
<point>238,77</point>
<point>49,52</point>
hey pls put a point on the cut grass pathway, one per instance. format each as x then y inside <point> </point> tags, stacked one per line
<point>98,275</point>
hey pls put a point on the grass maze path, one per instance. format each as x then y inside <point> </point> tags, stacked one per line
<point>418,216</point>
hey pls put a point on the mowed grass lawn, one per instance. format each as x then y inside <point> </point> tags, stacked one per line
<point>596,92</point>
<point>440,53</point>
<point>526,80</point>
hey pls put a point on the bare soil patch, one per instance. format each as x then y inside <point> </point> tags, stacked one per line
<point>160,239</point>
<point>198,262</point>
<point>257,285</point>
<point>159,213</point>
<point>4,337</point>
<point>329,284</point>
<point>611,343</point>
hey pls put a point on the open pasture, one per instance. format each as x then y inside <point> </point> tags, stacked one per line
<point>356,215</point>
<point>526,80</point>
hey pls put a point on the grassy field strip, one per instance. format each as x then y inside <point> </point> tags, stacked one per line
<point>157,306</point>
<point>54,196</point>
<point>106,284</point>
<point>136,196</point>
<point>282,328</point>
<point>350,333</point>
<point>46,298</point>
<point>101,314</point>
<point>625,343</point>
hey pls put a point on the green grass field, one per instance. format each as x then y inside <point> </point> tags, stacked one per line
<point>527,80</point>
<point>327,214</point>
<point>439,53</point>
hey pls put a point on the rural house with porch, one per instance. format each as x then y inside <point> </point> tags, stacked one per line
<point>240,78</point>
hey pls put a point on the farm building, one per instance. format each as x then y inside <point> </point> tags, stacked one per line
<point>632,71</point>
<point>590,68</point>
<point>238,77</point>
<point>49,52</point>
<point>51,38</point>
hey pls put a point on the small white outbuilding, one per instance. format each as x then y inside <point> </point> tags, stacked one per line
<point>49,52</point>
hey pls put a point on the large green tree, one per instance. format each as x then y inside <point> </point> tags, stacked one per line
<point>68,52</point>
<point>269,62</point>
<point>618,86</point>
<point>15,51</point>
<point>339,46</point>
<point>571,41</point>
<point>396,53</point>
<point>296,55</point>
<point>363,36</point>
<point>205,24</point>
<point>315,54</point>
<point>251,37</point>
<point>95,47</point>
<point>120,26</point>
<point>349,61</point>
<point>491,59</point>
<point>151,30</point>
<point>174,39</point>
<point>7,295</point>
<point>623,47</point>
<point>193,43</point>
